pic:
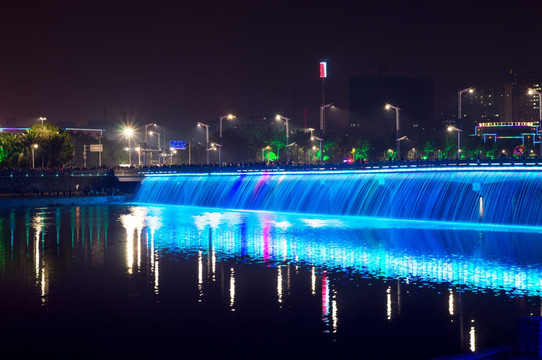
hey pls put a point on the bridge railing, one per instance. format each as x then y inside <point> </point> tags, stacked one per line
<point>390,164</point>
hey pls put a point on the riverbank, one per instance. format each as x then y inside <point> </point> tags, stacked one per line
<point>7,201</point>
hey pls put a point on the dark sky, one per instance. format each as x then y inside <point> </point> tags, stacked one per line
<point>177,63</point>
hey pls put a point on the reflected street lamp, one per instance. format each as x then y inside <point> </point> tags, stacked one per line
<point>532,92</point>
<point>453,128</point>
<point>206,139</point>
<point>397,141</point>
<point>322,108</point>
<point>280,117</point>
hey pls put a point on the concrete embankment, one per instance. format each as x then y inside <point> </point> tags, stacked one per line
<point>12,202</point>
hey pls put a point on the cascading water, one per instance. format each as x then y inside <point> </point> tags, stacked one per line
<point>493,196</point>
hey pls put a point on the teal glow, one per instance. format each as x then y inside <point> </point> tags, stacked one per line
<point>468,256</point>
<point>509,195</point>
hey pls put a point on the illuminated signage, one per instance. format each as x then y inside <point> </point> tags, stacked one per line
<point>177,145</point>
<point>323,69</point>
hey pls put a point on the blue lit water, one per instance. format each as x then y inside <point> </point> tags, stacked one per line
<point>148,280</point>
<point>506,195</point>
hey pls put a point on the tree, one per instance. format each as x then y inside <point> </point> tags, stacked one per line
<point>429,149</point>
<point>10,149</point>
<point>53,143</point>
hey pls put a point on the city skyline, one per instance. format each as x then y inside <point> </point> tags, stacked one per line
<point>179,64</point>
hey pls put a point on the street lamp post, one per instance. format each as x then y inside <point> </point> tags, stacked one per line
<point>146,148</point>
<point>453,128</point>
<point>459,126</point>
<point>322,108</point>
<point>263,152</point>
<point>157,133</point>
<point>206,139</point>
<point>531,92</point>
<point>42,119</point>
<point>280,117</point>
<point>128,132</point>
<point>34,146</point>
<point>228,117</point>
<point>138,149</point>
<point>397,139</point>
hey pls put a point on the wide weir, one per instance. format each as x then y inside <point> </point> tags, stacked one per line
<point>505,193</point>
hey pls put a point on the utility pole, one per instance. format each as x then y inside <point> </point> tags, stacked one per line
<point>84,156</point>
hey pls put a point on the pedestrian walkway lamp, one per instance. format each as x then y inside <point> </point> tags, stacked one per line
<point>459,93</point>
<point>129,132</point>
<point>206,139</point>
<point>227,117</point>
<point>321,139</point>
<point>453,128</point>
<point>34,146</point>
<point>278,118</point>
<point>397,141</point>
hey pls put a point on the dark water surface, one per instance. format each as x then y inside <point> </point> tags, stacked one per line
<point>134,280</point>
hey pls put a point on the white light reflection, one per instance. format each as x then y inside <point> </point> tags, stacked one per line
<point>232,289</point>
<point>451,303</point>
<point>325,298</point>
<point>279,284</point>
<point>131,222</point>
<point>200,276</point>
<point>38,223</point>
<point>334,317</point>
<point>317,223</point>
<point>313,282</point>
<point>472,337</point>
<point>388,302</point>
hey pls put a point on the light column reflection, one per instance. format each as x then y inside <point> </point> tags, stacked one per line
<point>232,289</point>
<point>472,337</point>
<point>38,224</point>
<point>279,284</point>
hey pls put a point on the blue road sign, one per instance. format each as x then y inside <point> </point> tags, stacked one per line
<point>177,145</point>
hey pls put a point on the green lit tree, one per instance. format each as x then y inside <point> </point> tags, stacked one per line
<point>54,144</point>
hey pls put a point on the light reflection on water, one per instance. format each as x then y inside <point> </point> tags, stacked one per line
<point>366,281</point>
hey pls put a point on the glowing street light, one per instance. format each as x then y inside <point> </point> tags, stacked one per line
<point>138,149</point>
<point>157,133</point>
<point>533,92</point>
<point>459,93</point>
<point>263,152</point>
<point>206,139</point>
<point>321,139</point>
<point>34,146</point>
<point>278,118</point>
<point>42,119</point>
<point>453,128</point>
<point>227,117</point>
<point>129,132</point>
<point>397,141</point>
<point>146,144</point>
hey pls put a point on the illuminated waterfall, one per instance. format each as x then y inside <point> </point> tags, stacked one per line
<point>506,195</point>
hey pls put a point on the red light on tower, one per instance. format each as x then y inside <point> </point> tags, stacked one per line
<point>323,69</point>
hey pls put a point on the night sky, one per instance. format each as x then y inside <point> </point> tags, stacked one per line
<point>177,63</point>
